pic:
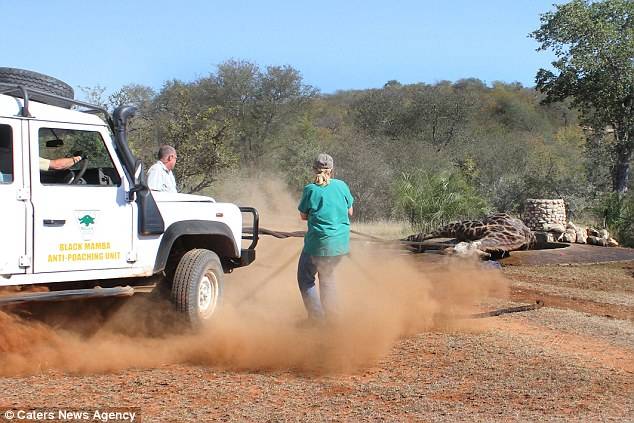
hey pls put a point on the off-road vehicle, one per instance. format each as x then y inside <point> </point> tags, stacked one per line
<point>95,229</point>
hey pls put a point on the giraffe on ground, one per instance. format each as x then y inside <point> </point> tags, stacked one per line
<point>496,235</point>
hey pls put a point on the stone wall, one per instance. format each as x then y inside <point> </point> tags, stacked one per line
<point>547,220</point>
<point>543,215</point>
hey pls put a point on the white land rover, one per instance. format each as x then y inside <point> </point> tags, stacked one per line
<point>96,230</point>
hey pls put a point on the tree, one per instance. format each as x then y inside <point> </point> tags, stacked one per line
<point>594,45</point>
<point>201,138</point>
<point>438,114</point>
<point>139,96</point>
<point>361,162</point>
<point>142,129</point>
<point>299,147</point>
<point>94,95</point>
<point>281,96</point>
<point>381,111</point>
<point>260,103</point>
<point>434,115</point>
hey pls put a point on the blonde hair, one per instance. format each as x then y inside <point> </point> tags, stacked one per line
<point>322,177</point>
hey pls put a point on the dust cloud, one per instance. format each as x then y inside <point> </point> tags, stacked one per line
<point>385,294</point>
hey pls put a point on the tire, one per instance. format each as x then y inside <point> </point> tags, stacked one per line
<point>38,81</point>
<point>197,286</point>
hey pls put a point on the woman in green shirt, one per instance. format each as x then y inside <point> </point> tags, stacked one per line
<point>326,205</point>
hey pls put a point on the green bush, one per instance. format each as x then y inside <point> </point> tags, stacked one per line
<point>617,213</point>
<point>430,200</point>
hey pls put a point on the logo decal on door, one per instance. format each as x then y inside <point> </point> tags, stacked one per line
<point>87,220</point>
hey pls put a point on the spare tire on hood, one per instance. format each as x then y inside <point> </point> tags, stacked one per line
<point>38,81</point>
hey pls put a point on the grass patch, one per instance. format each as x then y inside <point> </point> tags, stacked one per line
<point>386,229</point>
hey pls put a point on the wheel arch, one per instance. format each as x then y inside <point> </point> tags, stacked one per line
<point>186,235</point>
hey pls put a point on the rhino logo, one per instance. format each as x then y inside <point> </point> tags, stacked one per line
<point>87,220</point>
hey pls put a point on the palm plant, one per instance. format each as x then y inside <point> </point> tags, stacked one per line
<point>429,200</point>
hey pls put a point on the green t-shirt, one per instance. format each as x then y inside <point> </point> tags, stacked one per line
<point>328,222</point>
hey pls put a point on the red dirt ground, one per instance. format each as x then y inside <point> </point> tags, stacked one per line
<point>395,358</point>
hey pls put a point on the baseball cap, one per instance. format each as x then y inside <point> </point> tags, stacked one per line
<point>323,161</point>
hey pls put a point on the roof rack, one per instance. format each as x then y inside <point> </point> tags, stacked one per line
<point>23,91</point>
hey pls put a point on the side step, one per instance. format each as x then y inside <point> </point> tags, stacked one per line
<point>66,295</point>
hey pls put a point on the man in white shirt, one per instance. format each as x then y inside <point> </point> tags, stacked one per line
<point>160,176</point>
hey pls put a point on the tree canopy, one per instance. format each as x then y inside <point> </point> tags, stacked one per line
<point>594,46</point>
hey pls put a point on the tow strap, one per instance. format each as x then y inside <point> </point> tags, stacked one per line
<point>300,234</point>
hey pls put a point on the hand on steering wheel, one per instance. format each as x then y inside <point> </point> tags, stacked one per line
<point>76,177</point>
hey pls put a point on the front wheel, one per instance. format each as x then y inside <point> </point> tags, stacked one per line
<point>197,286</point>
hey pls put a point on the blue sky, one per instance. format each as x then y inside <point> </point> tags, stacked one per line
<point>336,45</point>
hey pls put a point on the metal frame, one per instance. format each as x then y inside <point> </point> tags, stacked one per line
<point>255,235</point>
<point>121,114</point>
<point>6,88</point>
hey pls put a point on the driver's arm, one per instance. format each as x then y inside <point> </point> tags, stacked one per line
<point>63,163</point>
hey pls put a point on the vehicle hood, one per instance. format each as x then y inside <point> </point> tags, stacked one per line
<point>176,197</point>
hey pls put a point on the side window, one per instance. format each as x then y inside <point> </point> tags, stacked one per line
<point>56,144</point>
<point>6,154</point>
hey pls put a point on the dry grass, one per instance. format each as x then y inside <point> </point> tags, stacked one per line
<point>386,229</point>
